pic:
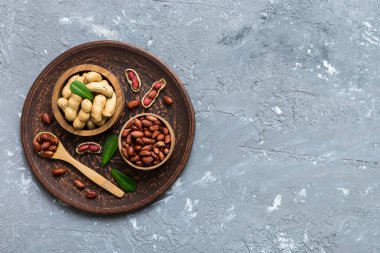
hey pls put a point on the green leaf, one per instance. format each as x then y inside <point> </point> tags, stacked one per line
<point>109,149</point>
<point>126,183</point>
<point>81,90</point>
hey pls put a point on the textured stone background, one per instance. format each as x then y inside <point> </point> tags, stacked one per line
<point>286,152</point>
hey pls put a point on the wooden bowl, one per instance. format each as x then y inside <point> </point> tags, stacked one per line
<point>171,145</point>
<point>113,81</point>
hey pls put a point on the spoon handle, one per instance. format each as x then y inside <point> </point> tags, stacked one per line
<point>96,177</point>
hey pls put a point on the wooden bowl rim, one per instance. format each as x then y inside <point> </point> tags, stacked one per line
<point>61,82</point>
<point>172,145</point>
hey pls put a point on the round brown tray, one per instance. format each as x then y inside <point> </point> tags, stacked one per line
<point>116,57</point>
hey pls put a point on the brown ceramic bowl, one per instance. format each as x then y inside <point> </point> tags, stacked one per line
<point>171,145</point>
<point>113,81</point>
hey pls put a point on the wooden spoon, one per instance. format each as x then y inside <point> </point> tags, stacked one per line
<point>62,154</point>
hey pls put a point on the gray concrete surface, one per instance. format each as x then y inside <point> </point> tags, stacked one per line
<point>286,152</point>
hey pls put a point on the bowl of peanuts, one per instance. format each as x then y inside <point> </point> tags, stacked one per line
<point>146,141</point>
<point>96,111</point>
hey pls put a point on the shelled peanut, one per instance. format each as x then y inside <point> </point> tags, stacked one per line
<point>133,104</point>
<point>146,141</point>
<point>58,171</point>
<point>90,194</point>
<point>167,100</point>
<point>46,118</point>
<point>79,184</point>
<point>84,112</point>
